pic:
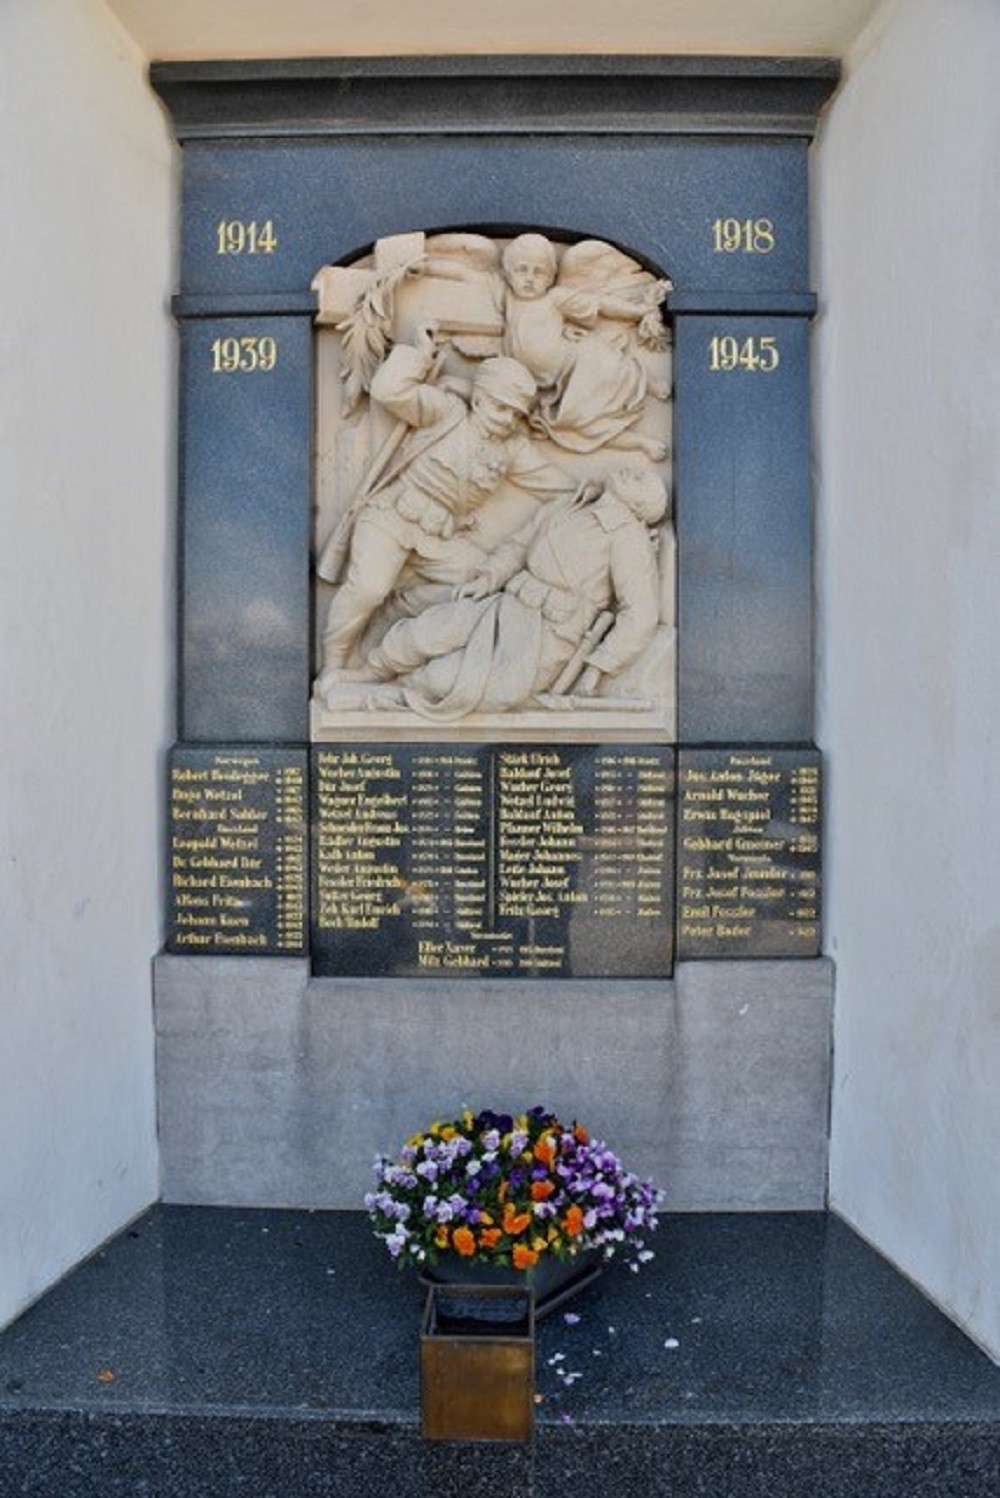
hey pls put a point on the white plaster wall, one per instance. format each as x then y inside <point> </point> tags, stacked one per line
<point>294,28</point>
<point>86,173</point>
<point>909,451</point>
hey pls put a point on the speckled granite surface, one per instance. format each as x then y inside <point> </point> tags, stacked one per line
<point>215,1351</point>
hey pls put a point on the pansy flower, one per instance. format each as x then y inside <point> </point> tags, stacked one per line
<point>496,1188</point>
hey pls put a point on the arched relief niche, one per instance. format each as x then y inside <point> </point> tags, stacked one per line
<point>494,539</point>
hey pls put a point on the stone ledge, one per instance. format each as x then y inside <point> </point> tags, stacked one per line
<point>275,1353</point>
<point>541,95</point>
<point>276,1089</point>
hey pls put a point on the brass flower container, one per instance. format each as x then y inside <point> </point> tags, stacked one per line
<point>477,1364</point>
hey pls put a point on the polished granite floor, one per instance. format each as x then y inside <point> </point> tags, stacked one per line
<point>746,1323</point>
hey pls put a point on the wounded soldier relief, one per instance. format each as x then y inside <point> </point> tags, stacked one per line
<point>494,545</point>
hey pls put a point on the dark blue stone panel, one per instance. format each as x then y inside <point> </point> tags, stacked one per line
<point>657,197</point>
<point>246,480</point>
<point>744,529</point>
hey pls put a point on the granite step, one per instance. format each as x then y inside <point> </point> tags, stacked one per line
<point>218,1351</point>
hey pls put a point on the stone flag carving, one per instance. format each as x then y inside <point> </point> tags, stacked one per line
<point>494,548</point>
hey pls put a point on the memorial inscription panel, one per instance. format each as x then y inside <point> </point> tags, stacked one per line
<point>506,860</point>
<point>748,867</point>
<point>237,850</point>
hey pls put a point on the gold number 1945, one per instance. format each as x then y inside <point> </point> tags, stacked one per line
<point>759,355</point>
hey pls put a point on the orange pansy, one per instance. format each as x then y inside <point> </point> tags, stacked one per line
<point>545,1150</point>
<point>464,1242</point>
<point>573,1221</point>
<point>524,1257</point>
<point>542,1190</point>
<point>490,1237</point>
<point>515,1222</point>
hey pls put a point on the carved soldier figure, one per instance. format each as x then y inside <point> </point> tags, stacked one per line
<point>415,515</point>
<point>579,602</point>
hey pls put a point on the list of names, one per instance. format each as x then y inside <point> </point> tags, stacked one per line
<point>237,850</point>
<point>748,858</point>
<point>362,827</point>
<point>518,859</point>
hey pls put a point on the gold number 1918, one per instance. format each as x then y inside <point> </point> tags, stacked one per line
<point>747,236</point>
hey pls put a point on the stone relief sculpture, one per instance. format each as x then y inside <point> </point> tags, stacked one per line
<point>535,623</point>
<point>493,540</point>
<point>416,510</point>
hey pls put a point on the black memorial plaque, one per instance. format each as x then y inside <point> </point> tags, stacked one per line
<point>748,858</point>
<point>237,836</point>
<point>514,860</point>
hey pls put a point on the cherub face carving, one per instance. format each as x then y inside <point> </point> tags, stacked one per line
<point>529,272</point>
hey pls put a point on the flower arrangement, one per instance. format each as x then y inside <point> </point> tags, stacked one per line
<point>497,1189</point>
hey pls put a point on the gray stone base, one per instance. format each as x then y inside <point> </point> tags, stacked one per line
<point>278,1089</point>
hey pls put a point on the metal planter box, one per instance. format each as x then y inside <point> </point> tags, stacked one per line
<point>477,1364</point>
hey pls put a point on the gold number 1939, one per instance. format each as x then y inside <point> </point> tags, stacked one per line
<point>248,355</point>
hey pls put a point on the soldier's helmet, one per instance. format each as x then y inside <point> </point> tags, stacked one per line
<point>507,381</point>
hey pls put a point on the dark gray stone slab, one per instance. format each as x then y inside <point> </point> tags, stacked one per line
<point>744,530</point>
<point>657,197</point>
<point>62,1454</point>
<point>246,441</point>
<point>309,96</point>
<point>231,1352</point>
<point>266,304</point>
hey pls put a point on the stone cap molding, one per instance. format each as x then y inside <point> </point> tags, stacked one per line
<point>513,95</point>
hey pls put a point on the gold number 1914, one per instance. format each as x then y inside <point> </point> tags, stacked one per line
<point>236,236</point>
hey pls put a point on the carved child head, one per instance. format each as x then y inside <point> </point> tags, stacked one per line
<point>529,264</point>
<point>641,490</point>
